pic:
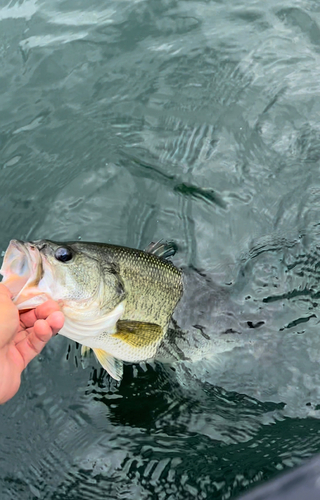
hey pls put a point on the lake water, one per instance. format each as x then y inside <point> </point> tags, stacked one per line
<point>197,121</point>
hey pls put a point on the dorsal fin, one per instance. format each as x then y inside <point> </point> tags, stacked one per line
<point>162,249</point>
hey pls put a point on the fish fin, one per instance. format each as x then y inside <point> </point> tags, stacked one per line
<point>137,333</point>
<point>85,356</point>
<point>161,249</point>
<point>85,350</point>
<point>112,365</point>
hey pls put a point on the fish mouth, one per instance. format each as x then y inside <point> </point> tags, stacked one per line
<point>22,270</point>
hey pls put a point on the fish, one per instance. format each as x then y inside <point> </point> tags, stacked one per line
<point>129,305</point>
<point>117,301</point>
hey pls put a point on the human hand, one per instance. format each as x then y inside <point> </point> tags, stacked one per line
<point>22,336</point>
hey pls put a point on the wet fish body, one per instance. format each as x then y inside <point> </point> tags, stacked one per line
<point>117,301</point>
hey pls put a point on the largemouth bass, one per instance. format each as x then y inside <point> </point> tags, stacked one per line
<point>116,301</point>
<point>127,305</point>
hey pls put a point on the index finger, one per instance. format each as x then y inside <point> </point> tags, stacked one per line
<point>29,318</point>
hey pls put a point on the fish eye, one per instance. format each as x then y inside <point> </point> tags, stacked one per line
<point>63,254</point>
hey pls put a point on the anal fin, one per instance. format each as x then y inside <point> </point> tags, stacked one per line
<point>112,365</point>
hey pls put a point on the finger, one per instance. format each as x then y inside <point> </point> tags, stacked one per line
<point>48,307</point>
<point>33,344</point>
<point>22,334</point>
<point>29,318</point>
<point>56,321</point>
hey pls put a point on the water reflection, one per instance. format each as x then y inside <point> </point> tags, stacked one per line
<point>193,121</point>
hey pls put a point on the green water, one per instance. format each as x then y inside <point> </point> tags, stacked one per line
<point>197,121</point>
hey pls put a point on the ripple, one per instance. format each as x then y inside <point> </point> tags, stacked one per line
<point>46,40</point>
<point>81,17</point>
<point>16,10</point>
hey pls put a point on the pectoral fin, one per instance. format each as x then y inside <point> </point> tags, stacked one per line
<point>112,365</point>
<point>138,334</point>
<point>163,249</point>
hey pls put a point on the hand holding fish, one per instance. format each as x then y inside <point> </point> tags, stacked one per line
<point>22,336</point>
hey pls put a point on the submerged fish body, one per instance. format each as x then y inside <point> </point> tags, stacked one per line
<point>117,301</point>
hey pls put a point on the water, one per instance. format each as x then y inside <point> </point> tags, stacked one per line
<point>198,121</point>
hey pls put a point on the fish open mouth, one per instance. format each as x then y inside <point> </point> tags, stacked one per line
<point>22,270</point>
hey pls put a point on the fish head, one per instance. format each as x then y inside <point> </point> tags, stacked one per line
<point>66,272</point>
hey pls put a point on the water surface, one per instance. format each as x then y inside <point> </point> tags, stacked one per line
<point>198,121</point>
